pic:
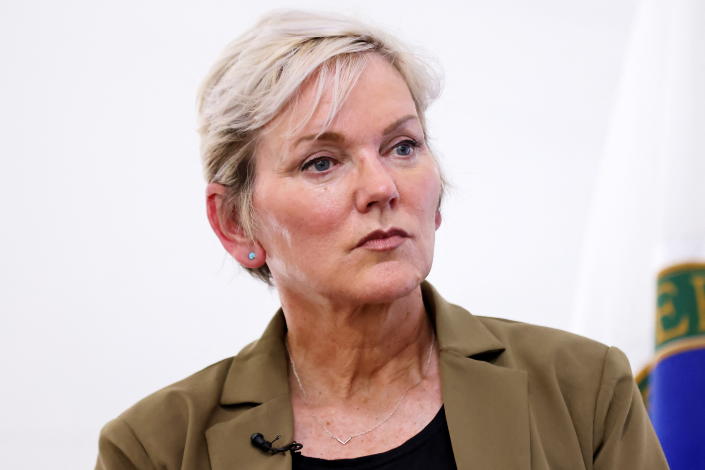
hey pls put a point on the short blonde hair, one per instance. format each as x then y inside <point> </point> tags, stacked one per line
<point>262,71</point>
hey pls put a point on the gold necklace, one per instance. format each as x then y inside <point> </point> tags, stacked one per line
<point>345,441</point>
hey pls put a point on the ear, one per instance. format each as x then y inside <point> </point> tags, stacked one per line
<point>439,218</point>
<point>246,251</point>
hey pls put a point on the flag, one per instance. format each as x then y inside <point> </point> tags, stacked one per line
<point>673,385</point>
<point>641,284</point>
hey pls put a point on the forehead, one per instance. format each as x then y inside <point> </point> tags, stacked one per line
<point>379,96</point>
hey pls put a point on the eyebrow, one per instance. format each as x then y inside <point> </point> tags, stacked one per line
<point>338,138</point>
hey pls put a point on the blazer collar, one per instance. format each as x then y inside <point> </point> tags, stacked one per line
<point>256,391</point>
<point>260,371</point>
<point>458,331</point>
<point>486,405</point>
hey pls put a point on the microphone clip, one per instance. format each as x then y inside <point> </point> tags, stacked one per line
<point>258,440</point>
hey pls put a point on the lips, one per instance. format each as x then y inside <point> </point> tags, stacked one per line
<point>392,233</point>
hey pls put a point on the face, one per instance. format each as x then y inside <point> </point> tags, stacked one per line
<point>350,215</point>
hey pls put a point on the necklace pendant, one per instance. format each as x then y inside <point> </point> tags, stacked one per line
<point>343,441</point>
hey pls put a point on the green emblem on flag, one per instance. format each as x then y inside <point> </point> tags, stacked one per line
<point>681,303</point>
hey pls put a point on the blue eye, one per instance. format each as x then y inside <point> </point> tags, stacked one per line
<point>405,148</point>
<point>319,164</point>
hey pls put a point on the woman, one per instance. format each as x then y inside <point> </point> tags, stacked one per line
<point>321,182</point>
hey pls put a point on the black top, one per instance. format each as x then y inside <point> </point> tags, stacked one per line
<point>428,449</point>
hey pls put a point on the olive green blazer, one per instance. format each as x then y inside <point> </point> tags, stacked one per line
<point>516,396</point>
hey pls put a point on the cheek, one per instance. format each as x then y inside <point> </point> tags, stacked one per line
<point>425,195</point>
<point>301,218</point>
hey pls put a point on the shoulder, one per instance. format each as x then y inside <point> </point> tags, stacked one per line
<point>582,388</point>
<point>538,350</point>
<point>198,391</point>
<point>565,357</point>
<point>571,379</point>
<point>526,342</point>
<point>159,427</point>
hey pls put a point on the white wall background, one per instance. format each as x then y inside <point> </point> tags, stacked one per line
<point>111,283</point>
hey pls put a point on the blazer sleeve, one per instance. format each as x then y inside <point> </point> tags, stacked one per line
<point>120,449</point>
<point>624,437</point>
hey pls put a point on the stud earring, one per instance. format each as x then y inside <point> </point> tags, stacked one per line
<point>251,255</point>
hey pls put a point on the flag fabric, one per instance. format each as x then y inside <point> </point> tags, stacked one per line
<point>642,279</point>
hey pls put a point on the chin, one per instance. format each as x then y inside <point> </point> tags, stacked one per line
<point>387,285</point>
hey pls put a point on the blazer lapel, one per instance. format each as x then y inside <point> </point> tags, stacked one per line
<point>487,413</point>
<point>256,397</point>
<point>486,405</point>
<point>229,444</point>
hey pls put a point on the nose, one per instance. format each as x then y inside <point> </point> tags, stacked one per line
<point>376,186</point>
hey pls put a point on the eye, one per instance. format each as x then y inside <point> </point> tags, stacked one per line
<point>318,165</point>
<point>405,148</point>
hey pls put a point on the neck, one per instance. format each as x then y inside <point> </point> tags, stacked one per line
<point>349,352</point>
